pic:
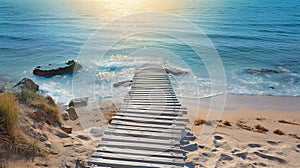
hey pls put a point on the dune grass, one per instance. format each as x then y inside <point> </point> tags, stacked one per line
<point>9,114</point>
<point>47,110</point>
<point>13,138</point>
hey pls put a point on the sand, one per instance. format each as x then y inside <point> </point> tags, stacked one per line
<point>233,146</point>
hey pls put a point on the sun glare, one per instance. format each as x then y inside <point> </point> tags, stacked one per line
<point>107,10</point>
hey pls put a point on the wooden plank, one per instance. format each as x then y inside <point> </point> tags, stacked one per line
<point>141,146</point>
<point>130,123</point>
<point>179,118</point>
<point>151,107</point>
<point>121,138</point>
<point>149,98</point>
<point>162,130</point>
<point>145,120</point>
<point>153,112</point>
<point>151,103</point>
<point>146,109</point>
<point>126,164</point>
<point>140,152</point>
<point>145,134</point>
<point>136,158</point>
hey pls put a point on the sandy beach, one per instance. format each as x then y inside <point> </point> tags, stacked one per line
<point>244,135</point>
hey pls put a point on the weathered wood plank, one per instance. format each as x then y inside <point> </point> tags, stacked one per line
<point>136,158</point>
<point>126,164</point>
<point>130,123</point>
<point>152,116</point>
<point>140,152</point>
<point>122,138</point>
<point>141,146</point>
<point>143,120</point>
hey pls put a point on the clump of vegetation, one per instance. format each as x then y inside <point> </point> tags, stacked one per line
<point>294,136</point>
<point>109,115</point>
<point>199,122</point>
<point>47,110</point>
<point>227,123</point>
<point>9,110</point>
<point>261,129</point>
<point>288,122</point>
<point>278,132</point>
<point>243,126</point>
<point>12,137</point>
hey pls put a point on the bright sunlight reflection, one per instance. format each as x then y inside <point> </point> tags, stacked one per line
<point>107,10</point>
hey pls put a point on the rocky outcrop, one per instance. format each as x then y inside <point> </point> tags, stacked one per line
<point>175,71</point>
<point>123,83</point>
<point>28,84</point>
<point>79,102</point>
<point>72,113</point>
<point>67,129</point>
<point>57,69</point>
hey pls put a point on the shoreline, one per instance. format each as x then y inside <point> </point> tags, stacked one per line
<point>256,102</point>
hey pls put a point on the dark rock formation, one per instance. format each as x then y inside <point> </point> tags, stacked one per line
<point>79,102</point>
<point>123,83</point>
<point>28,84</point>
<point>175,71</point>
<point>57,69</point>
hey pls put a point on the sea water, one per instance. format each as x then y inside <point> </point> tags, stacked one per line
<point>248,35</point>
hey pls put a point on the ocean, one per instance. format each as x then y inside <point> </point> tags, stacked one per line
<point>257,41</point>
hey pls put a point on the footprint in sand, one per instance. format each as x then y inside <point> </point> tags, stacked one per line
<point>273,142</point>
<point>254,145</point>
<point>269,157</point>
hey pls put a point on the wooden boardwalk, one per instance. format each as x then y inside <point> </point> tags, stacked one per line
<point>147,130</point>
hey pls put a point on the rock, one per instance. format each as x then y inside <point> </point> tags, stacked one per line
<point>62,135</point>
<point>191,147</point>
<point>175,71</point>
<point>97,132</point>
<point>72,113</point>
<point>41,164</point>
<point>83,137</point>
<point>54,153</point>
<point>28,84</point>
<point>80,164</point>
<point>79,102</point>
<point>184,142</point>
<point>123,83</point>
<point>57,69</point>
<point>189,138</point>
<point>2,89</point>
<point>67,129</point>
<point>48,144</point>
<point>68,145</point>
<point>43,138</point>
<point>65,115</point>
<point>225,157</point>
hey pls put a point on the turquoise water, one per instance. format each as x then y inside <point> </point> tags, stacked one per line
<point>247,34</point>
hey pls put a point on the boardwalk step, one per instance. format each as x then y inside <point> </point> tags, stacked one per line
<point>136,158</point>
<point>152,121</point>
<point>130,123</point>
<point>151,116</point>
<point>120,138</point>
<point>151,135</point>
<point>126,164</point>
<point>154,113</point>
<point>140,152</point>
<point>141,146</point>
